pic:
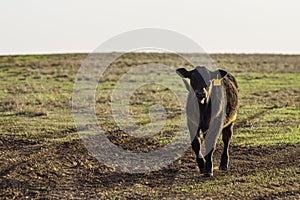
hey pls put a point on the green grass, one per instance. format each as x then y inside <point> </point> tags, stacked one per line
<point>36,100</point>
<point>269,111</point>
<point>249,139</point>
<point>267,82</point>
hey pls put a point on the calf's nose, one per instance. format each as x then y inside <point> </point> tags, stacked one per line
<point>200,94</point>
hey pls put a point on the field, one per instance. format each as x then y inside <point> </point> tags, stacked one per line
<point>42,156</point>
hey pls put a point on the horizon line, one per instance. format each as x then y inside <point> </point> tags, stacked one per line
<point>105,52</point>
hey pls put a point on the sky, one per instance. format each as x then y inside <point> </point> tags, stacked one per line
<point>231,26</point>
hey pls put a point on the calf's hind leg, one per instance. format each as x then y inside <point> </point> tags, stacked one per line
<point>226,135</point>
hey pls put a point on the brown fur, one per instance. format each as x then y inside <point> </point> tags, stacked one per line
<point>231,86</point>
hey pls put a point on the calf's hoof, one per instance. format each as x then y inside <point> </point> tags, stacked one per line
<point>208,174</point>
<point>223,167</point>
<point>201,170</point>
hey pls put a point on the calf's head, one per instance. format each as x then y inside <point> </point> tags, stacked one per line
<point>201,80</point>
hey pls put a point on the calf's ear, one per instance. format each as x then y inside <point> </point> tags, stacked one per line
<point>183,73</point>
<point>220,73</point>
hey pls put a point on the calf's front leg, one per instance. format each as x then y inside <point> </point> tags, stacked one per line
<point>196,146</point>
<point>208,172</point>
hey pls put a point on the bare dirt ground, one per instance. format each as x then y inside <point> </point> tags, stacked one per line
<point>70,172</point>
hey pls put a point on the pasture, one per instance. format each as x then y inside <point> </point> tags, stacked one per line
<point>42,156</point>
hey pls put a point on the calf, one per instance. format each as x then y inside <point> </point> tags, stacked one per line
<point>206,89</point>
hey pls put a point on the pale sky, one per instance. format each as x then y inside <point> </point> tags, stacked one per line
<point>229,26</point>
